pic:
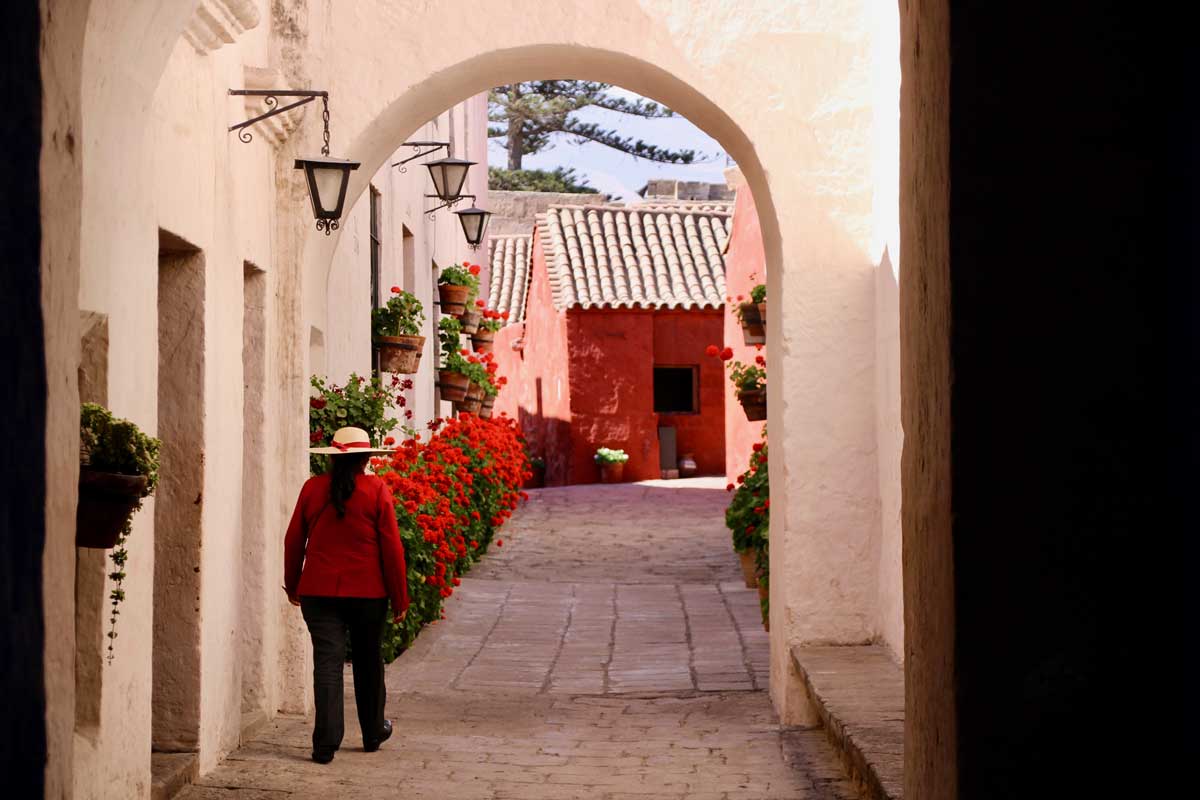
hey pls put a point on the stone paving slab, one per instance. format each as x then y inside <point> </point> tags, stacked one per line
<point>716,745</point>
<point>859,693</point>
<point>609,651</point>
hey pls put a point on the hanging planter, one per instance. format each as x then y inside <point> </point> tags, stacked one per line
<point>753,331</point>
<point>472,401</point>
<point>762,315</point>
<point>106,502</point>
<point>453,385</point>
<point>489,403</point>
<point>400,354</point>
<point>748,559</point>
<point>457,286</point>
<point>470,321</point>
<point>754,403</point>
<point>395,328</point>
<point>483,340</point>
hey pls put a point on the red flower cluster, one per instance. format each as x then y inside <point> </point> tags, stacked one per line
<point>472,268</point>
<point>451,494</point>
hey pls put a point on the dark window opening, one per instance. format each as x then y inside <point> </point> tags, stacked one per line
<point>376,261</point>
<point>675,390</point>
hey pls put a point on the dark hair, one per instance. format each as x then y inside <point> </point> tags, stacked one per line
<point>343,469</point>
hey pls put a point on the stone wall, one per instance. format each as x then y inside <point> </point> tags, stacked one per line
<point>516,212</point>
<point>673,189</point>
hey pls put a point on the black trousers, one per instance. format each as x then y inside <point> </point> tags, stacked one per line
<point>328,619</point>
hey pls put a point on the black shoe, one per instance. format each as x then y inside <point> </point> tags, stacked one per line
<point>371,747</point>
<point>323,757</point>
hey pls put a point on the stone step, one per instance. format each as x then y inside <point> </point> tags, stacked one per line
<point>858,693</point>
<point>170,773</point>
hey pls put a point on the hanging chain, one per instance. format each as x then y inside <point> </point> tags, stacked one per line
<point>325,118</point>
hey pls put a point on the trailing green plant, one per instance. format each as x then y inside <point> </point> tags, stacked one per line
<point>360,403</point>
<point>402,315</point>
<point>112,444</point>
<point>606,455</point>
<point>492,323</point>
<point>449,335</point>
<point>537,462</point>
<point>748,516</point>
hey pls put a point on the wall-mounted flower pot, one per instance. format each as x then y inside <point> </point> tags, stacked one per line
<point>106,500</point>
<point>452,385</point>
<point>753,330</point>
<point>485,408</point>
<point>472,402</point>
<point>470,321</point>
<point>483,341</point>
<point>400,354</point>
<point>612,472</point>
<point>762,315</point>
<point>453,298</point>
<point>748,559</point>
<point>754,403</point>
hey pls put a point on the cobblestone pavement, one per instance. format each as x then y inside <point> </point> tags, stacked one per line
<point>608,650</point>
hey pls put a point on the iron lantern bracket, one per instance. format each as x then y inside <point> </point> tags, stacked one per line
<point>433,148</point>
<point>271,101</point>
<point>447,204</point>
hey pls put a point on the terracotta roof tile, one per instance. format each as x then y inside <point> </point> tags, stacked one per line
<point>510,273</point>
<point>642,256</point>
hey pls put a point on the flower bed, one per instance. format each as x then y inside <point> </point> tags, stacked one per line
<point>452,494</point>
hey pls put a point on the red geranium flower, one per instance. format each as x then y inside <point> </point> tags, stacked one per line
<point>395,290</point>
<point>317,403</point>
<point>473,269</point>
<point>712,351</point>
<point>480,303</point>
<point>727,354</point>
<point>503,315</point>
<point>729,487</point>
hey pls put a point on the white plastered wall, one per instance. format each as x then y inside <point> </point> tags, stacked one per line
<point>789,90</point>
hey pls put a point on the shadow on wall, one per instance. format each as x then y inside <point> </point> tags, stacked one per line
<point>550,438</point>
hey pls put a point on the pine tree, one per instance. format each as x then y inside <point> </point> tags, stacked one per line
<point>527,114</point>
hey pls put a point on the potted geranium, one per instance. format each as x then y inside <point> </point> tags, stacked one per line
<point>396,329</point>
<point>477,376</point>
<point>457,286</point>
<point>748,515</point>
<point>490,390</point>
<point>753,328</point>
<point>758,296</point>
<point>750,380</point>
<point>485,337</point>
<point>118,468</point>
<point>452,373</point>
<point>359,403</point>
<point>612,464</point>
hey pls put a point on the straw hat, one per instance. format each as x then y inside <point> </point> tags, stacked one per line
<point>347,441</point>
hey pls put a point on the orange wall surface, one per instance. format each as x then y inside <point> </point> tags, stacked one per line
<point>538,391</point>
<point>585,379</point>
<point>745,267</point>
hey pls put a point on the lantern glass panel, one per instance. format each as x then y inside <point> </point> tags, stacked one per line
<point>474,223</point>
<point>449,175</point>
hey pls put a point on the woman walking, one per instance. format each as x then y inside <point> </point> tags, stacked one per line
<point>343,561</point>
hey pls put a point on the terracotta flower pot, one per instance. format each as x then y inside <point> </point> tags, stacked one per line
<point>753,331</point>
<point>762,315</point>
<point>612,472</point>
<point>106,500</point>
<point>485,409</point>
<point>754,403</point>
<point>763,591</point>
<point>470,405</point>
<point>453,385</point>
<point>483,340</point>
<point>474,391</point>
<point>470,321</point>
<point>453,298</point>
<point>749,569</point>
<point>400,354</point>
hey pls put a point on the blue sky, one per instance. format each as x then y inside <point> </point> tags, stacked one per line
<point>619,174</point>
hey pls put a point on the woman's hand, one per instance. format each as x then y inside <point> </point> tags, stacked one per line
<point>400,617</point>
<point>293,600</point>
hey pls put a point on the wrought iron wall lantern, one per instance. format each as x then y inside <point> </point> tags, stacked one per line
<point>473,220</point>
<point>448,173</point>
<point>327,177</point>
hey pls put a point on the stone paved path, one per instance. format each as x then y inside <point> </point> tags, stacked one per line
<point>609,650</point>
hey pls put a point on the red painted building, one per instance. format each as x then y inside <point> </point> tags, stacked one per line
<point>611,309</point>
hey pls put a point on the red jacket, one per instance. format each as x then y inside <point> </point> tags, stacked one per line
<point>359,555</point>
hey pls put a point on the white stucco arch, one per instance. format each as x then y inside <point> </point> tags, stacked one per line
<point>789,92</point>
